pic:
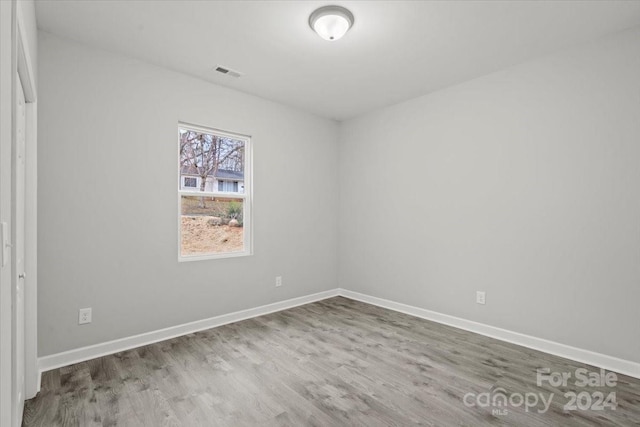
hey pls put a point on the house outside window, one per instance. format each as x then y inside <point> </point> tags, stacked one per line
<point>214,193</point>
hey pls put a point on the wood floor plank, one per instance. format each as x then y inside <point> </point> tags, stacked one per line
<point>337,362</point>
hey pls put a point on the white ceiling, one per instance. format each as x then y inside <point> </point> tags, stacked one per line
<point>396,50</point>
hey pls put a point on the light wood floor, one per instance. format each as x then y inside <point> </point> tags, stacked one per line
<point>336,362</point>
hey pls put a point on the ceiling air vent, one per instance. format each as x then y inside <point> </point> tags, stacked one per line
<point>228,71</point>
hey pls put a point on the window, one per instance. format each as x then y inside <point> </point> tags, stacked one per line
<point>215,196</point>
<point>229,186</point>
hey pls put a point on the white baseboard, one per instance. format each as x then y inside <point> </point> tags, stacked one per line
<point>82,354</point>
<point>609,363</point>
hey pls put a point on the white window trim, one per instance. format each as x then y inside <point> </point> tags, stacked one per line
<point>246,196</point>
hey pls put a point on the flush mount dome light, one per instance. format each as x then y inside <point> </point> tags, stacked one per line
<point>331,22</point>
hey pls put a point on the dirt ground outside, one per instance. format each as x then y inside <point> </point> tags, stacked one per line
<point>199,237</point>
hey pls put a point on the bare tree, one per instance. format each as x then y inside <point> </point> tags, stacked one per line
<point>204,154</point>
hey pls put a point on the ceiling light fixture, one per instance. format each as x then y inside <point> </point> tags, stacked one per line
<point>331,22</point>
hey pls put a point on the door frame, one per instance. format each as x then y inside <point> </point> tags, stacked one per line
<point>16,59</point>
<point>7,72</point>
<point>26,71</point>
<point>18,267</point>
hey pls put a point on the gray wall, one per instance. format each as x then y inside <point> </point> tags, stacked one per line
<point>524,183</point>
<point>107,204</point>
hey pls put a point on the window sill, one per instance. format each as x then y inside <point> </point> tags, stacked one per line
<point>213,256</point>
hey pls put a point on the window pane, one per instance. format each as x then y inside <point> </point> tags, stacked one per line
<point>211,225</point>
<point>211,160</point>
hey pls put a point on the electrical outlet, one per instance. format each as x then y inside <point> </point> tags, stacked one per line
<point>278,281</point>
<point>480,297</point>
<point>84,316</point>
